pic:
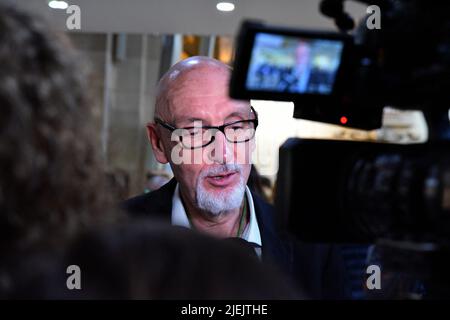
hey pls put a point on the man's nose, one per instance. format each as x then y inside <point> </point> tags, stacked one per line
<point>221,152</point>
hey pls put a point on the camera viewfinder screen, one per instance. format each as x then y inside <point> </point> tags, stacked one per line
<point>294,65</point>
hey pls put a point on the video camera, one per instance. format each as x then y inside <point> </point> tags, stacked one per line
<point>352,191</point>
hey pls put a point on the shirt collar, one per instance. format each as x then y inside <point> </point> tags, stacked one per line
<point>250,234</point>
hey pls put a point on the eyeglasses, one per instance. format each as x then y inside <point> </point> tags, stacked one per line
<point>201,136</point>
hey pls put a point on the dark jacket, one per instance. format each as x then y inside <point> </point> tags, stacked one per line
<point>317,269</point>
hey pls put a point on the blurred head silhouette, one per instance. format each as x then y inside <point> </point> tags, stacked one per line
<point>151,261</point>
<point>50,180</point>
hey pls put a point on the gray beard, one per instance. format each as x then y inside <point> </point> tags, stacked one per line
<point>219,203</point>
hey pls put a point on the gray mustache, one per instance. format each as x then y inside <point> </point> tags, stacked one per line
<point>232,167</point>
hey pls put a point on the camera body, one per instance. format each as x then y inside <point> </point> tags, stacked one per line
<point>329,75</point>
<point>314,69</point>
<point>353,191</point>
<point>350,191</point>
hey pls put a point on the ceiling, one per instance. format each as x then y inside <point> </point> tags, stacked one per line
<point>185,16</point>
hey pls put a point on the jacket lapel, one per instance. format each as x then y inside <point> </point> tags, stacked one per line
<point>156,204</point>
<point>273,248</point>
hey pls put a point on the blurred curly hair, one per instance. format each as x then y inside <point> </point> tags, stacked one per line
<point>50,177</point>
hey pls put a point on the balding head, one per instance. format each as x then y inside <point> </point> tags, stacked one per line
<point>197,71</point>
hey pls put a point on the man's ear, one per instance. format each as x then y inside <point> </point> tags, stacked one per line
<point>156,142</point>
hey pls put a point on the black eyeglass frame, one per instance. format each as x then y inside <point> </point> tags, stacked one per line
<point>219,128</point>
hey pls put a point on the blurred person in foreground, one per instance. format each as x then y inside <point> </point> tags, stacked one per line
<point>150,260</point>
<point>51,184</point>
<point>208,139</point>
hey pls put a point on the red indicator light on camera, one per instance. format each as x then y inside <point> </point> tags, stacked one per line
<point>344,120</point>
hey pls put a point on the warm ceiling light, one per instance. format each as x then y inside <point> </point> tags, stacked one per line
<point>54,4</point>
<point>225,6</point>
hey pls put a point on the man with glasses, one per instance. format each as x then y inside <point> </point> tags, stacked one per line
<point>208,138</point>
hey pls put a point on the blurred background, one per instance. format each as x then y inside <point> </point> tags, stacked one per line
<point>128,45</point>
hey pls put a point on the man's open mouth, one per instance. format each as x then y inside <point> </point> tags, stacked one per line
<point>222,175</point>
<point>222,179</point>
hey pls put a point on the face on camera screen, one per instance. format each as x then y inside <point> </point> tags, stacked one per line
<point>294,65</point>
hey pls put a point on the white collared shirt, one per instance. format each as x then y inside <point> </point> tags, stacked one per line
<point>250,234</point>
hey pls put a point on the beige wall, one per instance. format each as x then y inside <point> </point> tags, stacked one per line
<point>124,93</point>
